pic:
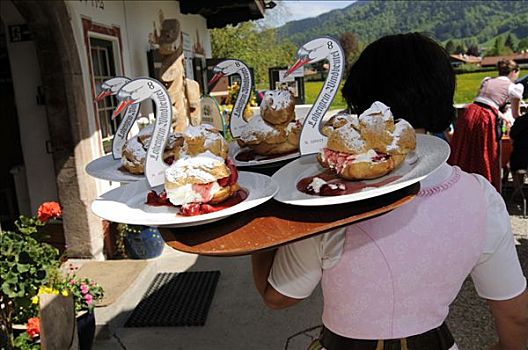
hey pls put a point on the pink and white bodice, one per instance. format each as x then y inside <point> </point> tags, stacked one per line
<point>496,92</point>
<point>390,281</point>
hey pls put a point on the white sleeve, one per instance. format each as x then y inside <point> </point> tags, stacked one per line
<point>516,91</point>
<point>498,274</point>
<point>298,267</point>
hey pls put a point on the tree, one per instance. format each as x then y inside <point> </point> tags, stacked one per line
<point>460,49</point>
<point>258,49</point>
<point>523,44</point>
<point>473,50</point>
<point>498,48</point>
<point>450,47</point>
<point>508,43</point>
<point>352,47</point>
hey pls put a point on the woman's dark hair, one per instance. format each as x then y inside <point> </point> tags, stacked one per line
<point>411,74</point>
<point>505,66</point>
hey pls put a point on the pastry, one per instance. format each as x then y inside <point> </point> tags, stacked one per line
<point>199,179</point>
<point>278,107</point>
<point>204,137</point>
<point>269,139</point>
<point>368,146</point>
<point>135,150</point>
<point>275,131</point>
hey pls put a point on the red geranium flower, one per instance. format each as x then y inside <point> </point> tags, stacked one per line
<point>33,327</point>
<point>49,210</point>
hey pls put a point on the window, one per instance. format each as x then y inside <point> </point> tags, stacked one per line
<point>104,67</point>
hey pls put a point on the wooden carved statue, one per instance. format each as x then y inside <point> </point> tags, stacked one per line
<point>184,93</point>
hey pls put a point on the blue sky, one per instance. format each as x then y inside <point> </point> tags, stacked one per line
<point>292,10</point>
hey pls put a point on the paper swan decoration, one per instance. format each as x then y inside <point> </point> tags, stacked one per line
<point>229,67</point>
<point>314,51</point>
<point>133,93</point>
<point>111,87</point>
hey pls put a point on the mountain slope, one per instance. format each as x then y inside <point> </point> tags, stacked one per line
<point>443,20</point>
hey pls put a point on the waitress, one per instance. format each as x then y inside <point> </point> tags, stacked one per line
<point>475,146</point>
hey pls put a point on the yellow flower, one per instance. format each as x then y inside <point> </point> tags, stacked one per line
<point>64,293</point>
<point>35,299</point>
<point>45,290</point>
<point>55,292</point>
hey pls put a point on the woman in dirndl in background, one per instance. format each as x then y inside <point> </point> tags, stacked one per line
<point>475,146</point>
<point>388,281</point>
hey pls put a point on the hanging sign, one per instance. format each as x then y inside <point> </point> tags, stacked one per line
<point>211,113</point>
<point>19,32</point>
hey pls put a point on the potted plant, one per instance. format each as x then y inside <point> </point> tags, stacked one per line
<point>140,242</point>
<point>29,268</point>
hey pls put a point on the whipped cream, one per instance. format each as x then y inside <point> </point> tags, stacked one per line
<point>316,184</point>
<point>365,157</point>
<point>186,194</point>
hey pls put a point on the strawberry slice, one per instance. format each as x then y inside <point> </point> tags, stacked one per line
<point>232,178</point>
<point>190,209</point>
<point>156,200</point>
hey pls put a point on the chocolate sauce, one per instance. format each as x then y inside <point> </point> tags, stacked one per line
<point>336,186</point>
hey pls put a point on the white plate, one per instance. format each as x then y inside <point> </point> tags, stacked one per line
<point>260,161</point>
<point>126,204</point>
<point>108,168</point>
<point>431,152</point>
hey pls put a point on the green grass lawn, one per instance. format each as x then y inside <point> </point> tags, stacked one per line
<point>466,89</point>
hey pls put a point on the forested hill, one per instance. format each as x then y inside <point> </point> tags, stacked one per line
<point>473,20</point>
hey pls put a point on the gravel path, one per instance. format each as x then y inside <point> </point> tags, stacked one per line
<point>469,318</point>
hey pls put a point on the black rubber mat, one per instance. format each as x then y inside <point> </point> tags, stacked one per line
<point>176,300</point>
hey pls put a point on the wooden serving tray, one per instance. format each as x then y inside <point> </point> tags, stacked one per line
<point>274,223</point>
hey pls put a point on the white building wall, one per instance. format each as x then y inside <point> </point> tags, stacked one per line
<point>136,20</point>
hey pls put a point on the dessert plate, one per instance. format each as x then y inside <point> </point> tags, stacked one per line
<point>126,204</point>
<point>431,152</point>
<point>108,168</point>
<point>236,153</point>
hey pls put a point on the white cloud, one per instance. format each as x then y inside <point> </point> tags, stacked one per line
<point>305,9</point>
<point>292,10</point>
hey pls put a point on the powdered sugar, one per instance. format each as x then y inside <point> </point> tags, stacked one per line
<point>400,126</point>
<point>205,131</point>
<point>276,99</point>
<point>376,116</point>
<point>198,167</point>
<point>257,126</point>
<point>351,138</point>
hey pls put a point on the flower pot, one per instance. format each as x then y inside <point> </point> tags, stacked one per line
<point>145,244</point>
<point>86,330</point>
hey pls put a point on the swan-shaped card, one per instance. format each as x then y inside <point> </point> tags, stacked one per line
<point>109,167</point>
<point>324,48</point>
<point>226,68</point>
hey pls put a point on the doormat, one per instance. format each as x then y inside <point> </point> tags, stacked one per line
<point>176,300</point>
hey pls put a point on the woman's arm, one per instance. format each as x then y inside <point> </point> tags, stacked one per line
<point>261,265</point>
<point>511,322</point>
<point>515,107</point>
